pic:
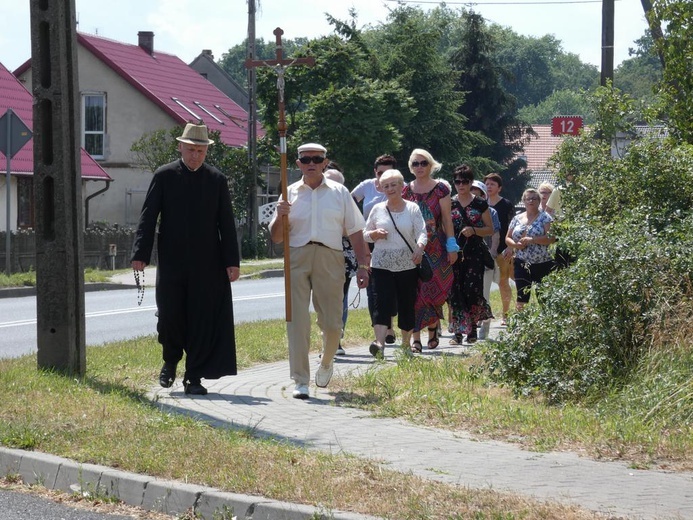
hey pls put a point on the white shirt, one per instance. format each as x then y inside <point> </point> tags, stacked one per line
<point>392,253</point>
<point>323,214</point>
<point>369,194</point>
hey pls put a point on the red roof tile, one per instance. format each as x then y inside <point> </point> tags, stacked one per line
<point>540,149</point>
<point>164,78</point>
<point>15,96</point>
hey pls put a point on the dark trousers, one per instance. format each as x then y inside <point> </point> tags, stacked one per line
<point>394,292</point>
<point>527,275</point>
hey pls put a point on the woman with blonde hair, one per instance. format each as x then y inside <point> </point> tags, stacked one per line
<point>545,190</point>
<point>433,198</point>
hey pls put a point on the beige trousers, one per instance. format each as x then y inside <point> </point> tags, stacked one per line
<point>316,271</point>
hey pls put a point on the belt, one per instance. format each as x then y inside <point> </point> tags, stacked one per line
<point>311,242</point>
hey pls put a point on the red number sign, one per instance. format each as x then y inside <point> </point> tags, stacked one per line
<point>566,125</point>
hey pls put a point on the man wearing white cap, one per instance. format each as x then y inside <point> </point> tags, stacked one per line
<point>189,200</point>
<point>319,211</point>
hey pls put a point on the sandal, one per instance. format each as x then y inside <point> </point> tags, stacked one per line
<point>416,347</point>
<point>432,338</point>
<point>456,340</point>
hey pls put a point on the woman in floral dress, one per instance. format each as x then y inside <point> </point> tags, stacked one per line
<point>433,198</point>
<point>471,220</point>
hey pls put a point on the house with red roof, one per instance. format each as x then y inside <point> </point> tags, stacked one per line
<point>13,95</point>
<point>537,153</point>
<point>128,90</point>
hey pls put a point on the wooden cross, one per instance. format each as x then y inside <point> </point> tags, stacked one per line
<point>279,64</point>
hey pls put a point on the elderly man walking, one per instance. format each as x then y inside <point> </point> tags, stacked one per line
<point>319,211</point>
<point>188,210</point>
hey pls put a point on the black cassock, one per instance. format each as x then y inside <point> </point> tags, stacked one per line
<point>196,242</point>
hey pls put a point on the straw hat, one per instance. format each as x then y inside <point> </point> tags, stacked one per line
<point>195,134</point>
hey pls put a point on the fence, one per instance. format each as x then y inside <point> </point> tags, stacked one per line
<point>102,250</point>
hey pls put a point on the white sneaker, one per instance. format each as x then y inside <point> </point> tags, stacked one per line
<point>340,351</point>
<point>323,375</point>
<point>301,392</point>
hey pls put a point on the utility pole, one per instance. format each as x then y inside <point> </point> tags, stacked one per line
<point>252,123</point>
<point>607,41</point>
<point>60,324</point>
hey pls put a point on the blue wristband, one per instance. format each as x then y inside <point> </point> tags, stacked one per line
<point>451,245</point>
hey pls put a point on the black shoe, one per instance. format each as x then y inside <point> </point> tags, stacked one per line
<point>390,339</point>
<point>471,337</point>
<point>194,388</point>
<point>167,375</point>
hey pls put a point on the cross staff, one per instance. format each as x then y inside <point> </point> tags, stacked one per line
<point>280,65</point>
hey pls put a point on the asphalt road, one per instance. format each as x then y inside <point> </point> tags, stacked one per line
<point>114,314</point>
<point>15,505</point>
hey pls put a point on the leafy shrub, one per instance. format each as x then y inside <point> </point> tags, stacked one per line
<point>629,220</point>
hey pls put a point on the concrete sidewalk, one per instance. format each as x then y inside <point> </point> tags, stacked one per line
<point>260,399</point>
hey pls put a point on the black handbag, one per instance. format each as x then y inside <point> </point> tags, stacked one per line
<point>425,269</point>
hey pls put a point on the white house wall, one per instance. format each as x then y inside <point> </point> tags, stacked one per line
<point>129,115</point>
<point>123,201</point>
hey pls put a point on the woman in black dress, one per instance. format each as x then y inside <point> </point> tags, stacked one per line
<point>471,220</point>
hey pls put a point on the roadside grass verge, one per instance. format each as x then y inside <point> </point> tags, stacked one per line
<point>105,418</point>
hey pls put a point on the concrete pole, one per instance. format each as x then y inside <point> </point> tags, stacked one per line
<point>8,196</point>
<point>57,188</point>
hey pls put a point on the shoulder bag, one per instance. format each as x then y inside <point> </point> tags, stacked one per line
<point>425,269</point>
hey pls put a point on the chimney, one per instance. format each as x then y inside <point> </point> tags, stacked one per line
<point>145,39</point>
<point>208,52</point>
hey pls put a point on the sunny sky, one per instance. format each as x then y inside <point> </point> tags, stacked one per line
<point>186,27</point>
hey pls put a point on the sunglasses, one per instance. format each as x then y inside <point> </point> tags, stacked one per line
<point>416,164</point>
<point>464,182</point>
<point>532,199</point>
<point>316,159</point>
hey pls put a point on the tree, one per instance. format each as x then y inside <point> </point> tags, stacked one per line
<point>337,104</point>
<point>640,74</point>
<point>488,109</point>
<point>676,47</point>
<point>536,67</point>
<point>408,49</point>
<point>561,102</point>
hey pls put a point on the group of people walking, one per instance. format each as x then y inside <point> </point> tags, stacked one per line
<point>464,235</point>
<point>470,235</point>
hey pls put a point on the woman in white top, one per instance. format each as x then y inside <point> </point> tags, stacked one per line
<point>398,231</point>
<point>369,193</point>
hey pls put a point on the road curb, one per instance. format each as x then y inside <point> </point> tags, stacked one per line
<point>164,496</point>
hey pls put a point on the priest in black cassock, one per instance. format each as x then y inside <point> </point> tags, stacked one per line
<point>197,258</point>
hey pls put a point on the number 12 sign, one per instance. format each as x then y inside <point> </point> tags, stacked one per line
<point>566,125</point>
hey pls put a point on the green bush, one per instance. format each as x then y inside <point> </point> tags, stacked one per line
<point>628,220</point>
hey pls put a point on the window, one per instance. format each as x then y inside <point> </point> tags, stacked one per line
<point>94,124</point>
